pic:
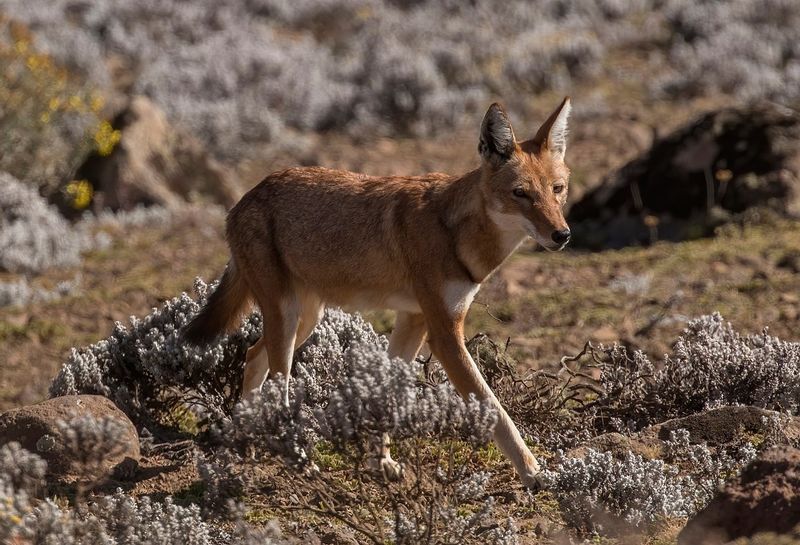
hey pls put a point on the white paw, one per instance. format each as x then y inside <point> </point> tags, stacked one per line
<point>393,471</point>
<point>532,479</point>
<point>311,470</point>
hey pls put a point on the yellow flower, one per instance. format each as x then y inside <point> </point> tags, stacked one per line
<point>45,117</point>
<point>15,519</point>
<point>33,62</point>
<point>55,102</point>
<point>106,138</point>
<point>22,46</point>
<point>75,102</point>
<point>97,103</point>
<point>80,193</point>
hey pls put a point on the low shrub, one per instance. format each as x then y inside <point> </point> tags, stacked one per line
<point>149,371</point>
<point>88,443</point>
<point>33,235</point>
<point>634,489</point>
<point>757,39</point>
<point>48,119</point>
<point>607,388</point>
<point>21,293</point>
<point>359,66</point>
<point>116,519</point>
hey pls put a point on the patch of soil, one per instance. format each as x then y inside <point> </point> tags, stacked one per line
<point>764,498</point>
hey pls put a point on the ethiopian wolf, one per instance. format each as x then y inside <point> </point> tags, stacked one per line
<point>421,245</point>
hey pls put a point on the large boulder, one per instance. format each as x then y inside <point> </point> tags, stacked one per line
<point>156,163</point>
<point>764,498</point>
<point>693,179</point>
<point>35,427</point>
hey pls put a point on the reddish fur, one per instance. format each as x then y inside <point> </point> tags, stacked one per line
<point>306,237</point>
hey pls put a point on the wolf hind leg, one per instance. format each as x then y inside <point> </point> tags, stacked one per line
<point>256,368</point>
<point>292,323</point>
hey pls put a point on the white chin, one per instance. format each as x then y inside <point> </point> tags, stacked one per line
<point>546,244</point>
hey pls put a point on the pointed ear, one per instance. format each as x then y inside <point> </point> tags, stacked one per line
<point>552,134</point>
<point>497,141</point>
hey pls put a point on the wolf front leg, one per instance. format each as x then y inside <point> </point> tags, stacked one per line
<point>446,338</point>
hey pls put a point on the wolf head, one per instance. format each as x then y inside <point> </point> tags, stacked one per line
<point>525,183</point>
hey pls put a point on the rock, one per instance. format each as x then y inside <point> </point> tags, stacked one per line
<point>619,446</point>
<point>155,163</point>
<point>764,498</point>
<point>750,157</point>
<point>722,426</point>
<point>35,428</point>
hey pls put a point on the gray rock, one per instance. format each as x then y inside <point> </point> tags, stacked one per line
<point>35,428</point>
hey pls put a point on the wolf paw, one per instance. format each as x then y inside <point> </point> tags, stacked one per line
<point>533,480</point>
<point>393,471</point>
<point>385,465</point>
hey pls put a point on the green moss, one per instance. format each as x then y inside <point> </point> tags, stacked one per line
<point>490,456</point>
<point>184,420</point>
<point>262,515</point>
<point>326,458</point>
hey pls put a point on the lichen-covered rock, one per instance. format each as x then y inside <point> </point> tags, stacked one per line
<point>52,429</point>
<point>724,163</point>
<point>764,498</point>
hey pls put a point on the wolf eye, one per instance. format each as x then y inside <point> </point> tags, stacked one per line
<point>519,192</point>
<point>558,188</point>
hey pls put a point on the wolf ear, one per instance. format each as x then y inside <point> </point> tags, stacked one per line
<point>552,134</point>
<point>496,142</point>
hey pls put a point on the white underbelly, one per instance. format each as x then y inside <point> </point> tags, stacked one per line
<point>403,302</point>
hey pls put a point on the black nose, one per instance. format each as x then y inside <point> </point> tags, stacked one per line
<point>561,237</point>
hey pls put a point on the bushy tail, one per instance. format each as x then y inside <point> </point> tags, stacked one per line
<point>223,307</point>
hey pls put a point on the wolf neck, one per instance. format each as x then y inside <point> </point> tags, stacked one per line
<point>481,245</point>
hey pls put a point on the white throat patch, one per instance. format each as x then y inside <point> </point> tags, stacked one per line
<point>458,295</point>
